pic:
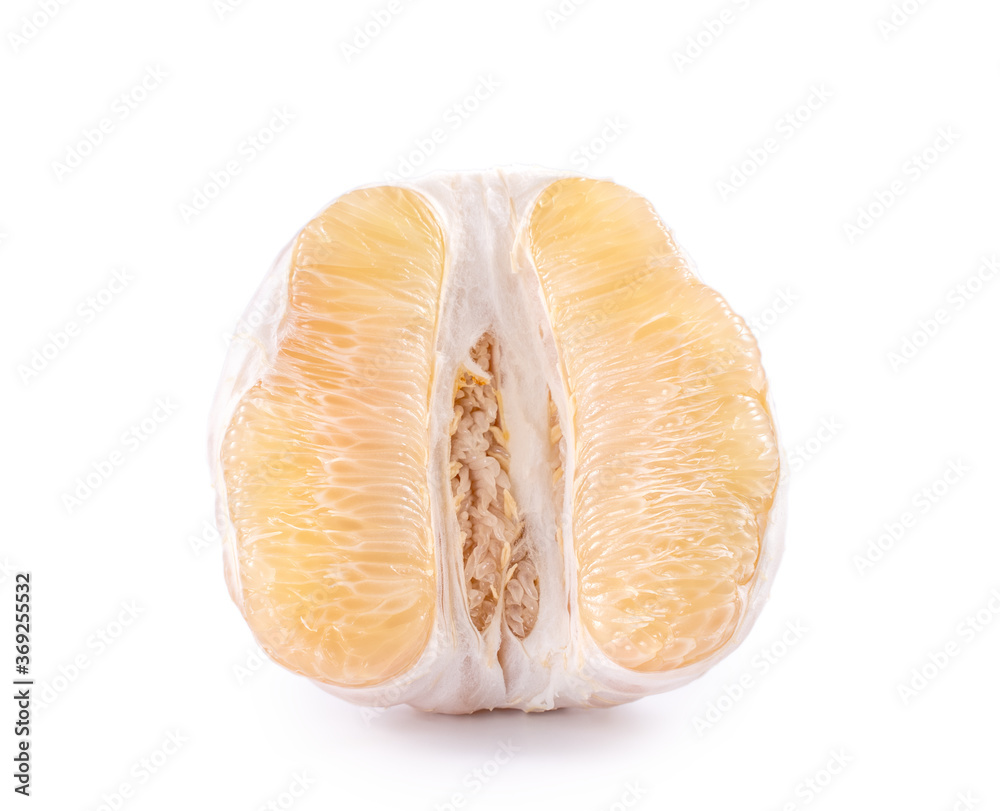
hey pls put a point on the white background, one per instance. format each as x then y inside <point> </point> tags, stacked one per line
<point>866,433</point>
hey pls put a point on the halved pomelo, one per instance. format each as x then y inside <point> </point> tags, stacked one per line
<point>494,445</point>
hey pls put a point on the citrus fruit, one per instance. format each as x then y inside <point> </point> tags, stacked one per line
<point>490,443</point>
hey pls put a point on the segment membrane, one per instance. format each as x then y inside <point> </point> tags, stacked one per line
<point>495,551</point>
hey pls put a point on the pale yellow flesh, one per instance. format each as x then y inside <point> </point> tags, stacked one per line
<point>326,458</point>
<point>676,460</point>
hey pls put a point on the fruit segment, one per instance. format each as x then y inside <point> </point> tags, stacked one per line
<point>325,458</point>
<point>676,462</point>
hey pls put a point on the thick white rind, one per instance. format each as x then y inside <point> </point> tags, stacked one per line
<point>459,672</point>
